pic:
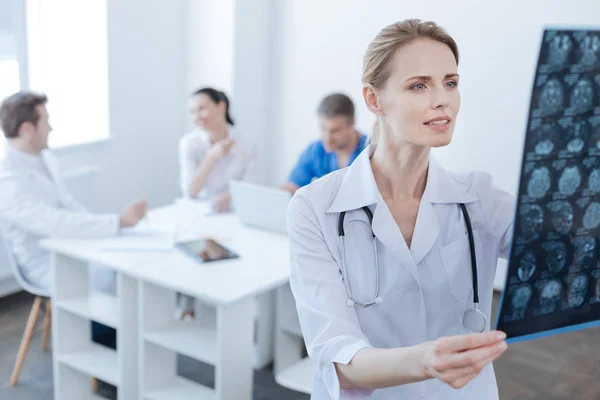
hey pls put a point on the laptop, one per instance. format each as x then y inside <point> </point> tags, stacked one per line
<point>260,206</point>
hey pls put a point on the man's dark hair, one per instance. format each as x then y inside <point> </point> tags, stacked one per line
<point>19,108</point>
<point>336,104</point>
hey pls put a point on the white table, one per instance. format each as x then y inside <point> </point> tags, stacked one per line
<point>149,338</point>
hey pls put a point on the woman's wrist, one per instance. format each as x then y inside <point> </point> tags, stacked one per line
<point>210,159</point>
<point>424,352</point>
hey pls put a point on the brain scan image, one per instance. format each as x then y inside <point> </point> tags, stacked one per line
<point>594,126</point>
<point>550,297</point>
<point>594,181</point>
<point>569,181</point>
<point>552,97</point>
<point>527,266</point>
<point>584,248</point>
<point>597,294</point>
<point>582,96</point>
<point>561,216</point>
<point>589,50</point>
<point>577,291</point>
<point>591,217</point>
<point>577,136</point>
<point>553,269</point>
<point>559,49</point>
<point>556,255</point>
<point>532,220</point>
<point>520,297</point>
<point>545,139</point>
<point>539,183</point>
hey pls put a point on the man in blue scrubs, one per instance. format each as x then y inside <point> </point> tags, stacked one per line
<point>339,145</point>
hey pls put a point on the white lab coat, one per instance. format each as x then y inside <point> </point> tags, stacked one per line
<point>240,163</point>
<point>425,289</point>
<point>34,204</point>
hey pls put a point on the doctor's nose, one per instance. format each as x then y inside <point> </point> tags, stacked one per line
<point>440,101</point>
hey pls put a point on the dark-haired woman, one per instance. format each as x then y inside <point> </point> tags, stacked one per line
<point>215,153</point>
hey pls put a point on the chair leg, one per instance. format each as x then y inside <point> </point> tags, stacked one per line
<point>47,322</point>
<point>94,385</point>
<point>33,315</point>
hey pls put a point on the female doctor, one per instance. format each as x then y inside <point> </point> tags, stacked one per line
<point>214,154</point>
<point>386,265</point>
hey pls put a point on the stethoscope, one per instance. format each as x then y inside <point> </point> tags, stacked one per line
<point>473,319</point>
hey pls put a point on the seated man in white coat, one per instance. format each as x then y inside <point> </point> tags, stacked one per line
<point>34,203</point>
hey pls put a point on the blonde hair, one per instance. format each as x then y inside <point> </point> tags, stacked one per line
<point>376,61</point>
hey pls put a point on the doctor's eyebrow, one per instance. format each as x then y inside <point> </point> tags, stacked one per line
<point>428,78</point>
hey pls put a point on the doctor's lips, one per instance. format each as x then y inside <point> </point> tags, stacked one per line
<point>439,124</point>
<point>442,120</point>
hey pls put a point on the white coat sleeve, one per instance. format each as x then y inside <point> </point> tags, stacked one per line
<point>18,206</point>
<point>331,329</point>
<point>73,204</point>
<point>252,170</point>
<point>189,154</point>
<point>498,208</point>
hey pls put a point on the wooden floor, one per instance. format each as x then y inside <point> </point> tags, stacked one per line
<point>563,367</point>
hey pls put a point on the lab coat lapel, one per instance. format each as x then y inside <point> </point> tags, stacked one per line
<point>388,233</point>
<point>427,230</point>
<point>441,188</point>
<point>53,170</point>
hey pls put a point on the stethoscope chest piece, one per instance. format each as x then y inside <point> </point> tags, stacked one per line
<point>474,320</point>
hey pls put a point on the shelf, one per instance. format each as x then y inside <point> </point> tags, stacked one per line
<point>94,360</point>
<point>292,326</point>
<point>299,376</point>
<point>195,339</point>
<point>181,389</point>
<point>96,306</point>
<point>92,396</point>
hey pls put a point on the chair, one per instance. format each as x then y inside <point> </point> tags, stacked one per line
<point>33,314</point>
<point>40,295</point>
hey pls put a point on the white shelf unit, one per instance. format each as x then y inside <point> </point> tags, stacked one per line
<point>94,360</point>
<point>163,337</point>
<point>292,369</point>
<point>196,339</point>
<point>95,306</point>
<point>79,385</point>
<point>76,358</point>
<point>292,325</point>
<point>181,389</point>
<point>298,376</point>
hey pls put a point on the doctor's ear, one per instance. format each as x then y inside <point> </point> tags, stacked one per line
<point>26,128</point>
<point>372,100</point>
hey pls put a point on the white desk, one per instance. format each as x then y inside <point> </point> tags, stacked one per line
<point>148,336</point>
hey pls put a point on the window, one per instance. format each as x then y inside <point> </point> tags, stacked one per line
<point>11,33</point>
<point>68,61</point>
<point>45,48</point>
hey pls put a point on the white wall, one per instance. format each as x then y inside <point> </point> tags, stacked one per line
<point>209,46</point>
<point>498,44</point>
<point>147,97</point>
<point>257,77</point>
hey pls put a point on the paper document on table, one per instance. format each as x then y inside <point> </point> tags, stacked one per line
<point>141,239</point>
<point>203,207</point>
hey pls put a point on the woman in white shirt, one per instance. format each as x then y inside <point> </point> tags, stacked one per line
<point>212,156</point>
<point>391,325</point>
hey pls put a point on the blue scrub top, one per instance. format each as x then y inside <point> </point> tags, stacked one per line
<point>315,162</point>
